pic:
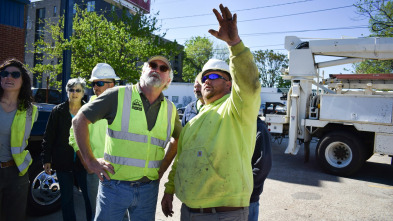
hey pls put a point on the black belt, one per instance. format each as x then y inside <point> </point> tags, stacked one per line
<point>217,209</point>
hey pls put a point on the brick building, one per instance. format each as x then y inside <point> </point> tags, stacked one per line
<point>12,29</point>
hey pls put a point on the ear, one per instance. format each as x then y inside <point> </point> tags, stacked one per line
<point>229,84</point>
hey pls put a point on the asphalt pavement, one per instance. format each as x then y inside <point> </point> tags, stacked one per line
<point>296,190</point>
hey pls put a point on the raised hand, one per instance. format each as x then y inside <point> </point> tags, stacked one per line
<point>227,30</point>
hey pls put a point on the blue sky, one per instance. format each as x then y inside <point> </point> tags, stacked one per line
<point>263,24</point>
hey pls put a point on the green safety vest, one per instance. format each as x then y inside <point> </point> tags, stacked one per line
<point>20,133</point>
<point>130,147</point>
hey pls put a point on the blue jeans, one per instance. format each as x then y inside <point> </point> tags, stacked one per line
<point>13,194</point>
<point>116,197</point>
<point>253,211</point>
<point>92,189</point>
<point>66,181</point>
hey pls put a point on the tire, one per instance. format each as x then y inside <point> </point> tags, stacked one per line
<point>44,192</point>
<point>340,153</point>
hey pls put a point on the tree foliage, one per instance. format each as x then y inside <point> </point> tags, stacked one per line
<point>380,14</point>
<point>198,50</point>
<point>124,43</point>
<point>269,64</point>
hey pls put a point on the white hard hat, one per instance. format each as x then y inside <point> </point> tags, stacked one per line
<point>103,71</point>
<point>213,65</point>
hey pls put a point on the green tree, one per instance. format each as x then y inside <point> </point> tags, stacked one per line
<point>270,64</point>
<point>198,50</point>
<point>380,14</point>
<point>124,43</point>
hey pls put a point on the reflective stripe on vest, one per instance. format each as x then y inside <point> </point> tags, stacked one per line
<point>125,135</point>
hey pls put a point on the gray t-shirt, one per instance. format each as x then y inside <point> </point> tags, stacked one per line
<point>105,107</point>
<point>6,119</point>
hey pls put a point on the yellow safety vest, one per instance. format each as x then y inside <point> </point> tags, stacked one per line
<point>130,147</point>
<point>20,133</point>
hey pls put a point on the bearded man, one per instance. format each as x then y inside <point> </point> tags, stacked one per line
<point>141,122</point>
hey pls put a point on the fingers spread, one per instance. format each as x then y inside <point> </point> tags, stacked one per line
<point>218,15</point>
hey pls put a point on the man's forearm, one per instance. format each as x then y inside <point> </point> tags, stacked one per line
<point>169,156</point>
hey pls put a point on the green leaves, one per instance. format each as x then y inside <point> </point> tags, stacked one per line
<point>269,64</point>
<point>198,50</point>
<point>125,43</point>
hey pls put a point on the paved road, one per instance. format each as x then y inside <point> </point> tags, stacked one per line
<point>296,190</point>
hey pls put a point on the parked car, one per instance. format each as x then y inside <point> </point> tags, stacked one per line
<point>44,189</point>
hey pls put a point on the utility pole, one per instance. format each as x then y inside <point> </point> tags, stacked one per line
<point>67,7</point>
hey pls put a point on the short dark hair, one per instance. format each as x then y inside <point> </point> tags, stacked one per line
<point>25,95</point>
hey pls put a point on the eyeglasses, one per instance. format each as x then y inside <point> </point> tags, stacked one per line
<point>99,83</point>
<point>213,76</point>
<point>75,90</point>
<point>14,74</point>
<point>154,65</point>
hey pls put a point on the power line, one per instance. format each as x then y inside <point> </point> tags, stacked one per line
<point>246,9</point>
<point>280,16</point>
<point>294,31</point>
<point>307,30</point>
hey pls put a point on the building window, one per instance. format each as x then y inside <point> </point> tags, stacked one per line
<point>175,99</point>
<point>54,11</point>
<point>39,23</point>
<point>91,5</point>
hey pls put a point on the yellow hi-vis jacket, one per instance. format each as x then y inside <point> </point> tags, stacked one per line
<point>130,147</point>
<point>20,133</point>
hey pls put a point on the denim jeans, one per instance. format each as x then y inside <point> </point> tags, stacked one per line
<point>66,181</point>
<point>13,194</point>
<point>254,211</point>
<point>116,197</point>
<point>92,189</point>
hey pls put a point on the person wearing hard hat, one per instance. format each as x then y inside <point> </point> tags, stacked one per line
<point>102,77</point>
<point>212,174</point>
<point>141,122</point>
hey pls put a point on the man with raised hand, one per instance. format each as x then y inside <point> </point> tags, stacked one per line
<point>212,174</point>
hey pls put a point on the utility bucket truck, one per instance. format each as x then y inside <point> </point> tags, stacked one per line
<point>351,115</point>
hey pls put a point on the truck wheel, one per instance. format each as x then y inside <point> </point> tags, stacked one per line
<point>44,192</point>
<point>340,153</point>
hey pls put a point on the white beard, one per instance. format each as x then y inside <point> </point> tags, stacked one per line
<point>153,79</point>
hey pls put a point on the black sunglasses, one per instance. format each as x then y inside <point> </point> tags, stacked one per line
<point>14,74</point>
<point>99,83</point>
<point>75,90</point>
<point>154,65</point>
<point>212,77</point>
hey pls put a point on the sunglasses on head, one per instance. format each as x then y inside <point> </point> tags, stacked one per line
<point>75,90</point>
<point>213,76</point>
<point>14,74</point>
<point>99,83</point>
<point>154,65</point>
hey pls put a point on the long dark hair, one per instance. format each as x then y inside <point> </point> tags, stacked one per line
<point>25,95</point>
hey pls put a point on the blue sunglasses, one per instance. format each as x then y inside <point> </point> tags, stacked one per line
<point>213,76</point>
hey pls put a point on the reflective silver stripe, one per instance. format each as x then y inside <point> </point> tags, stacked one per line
<point>131,161</point>
<point>125,118</point>
<point>29,117</point>
<point>169,127</point>
<point>157,142</point>
<point>127,136</point>
<point>25,163</point>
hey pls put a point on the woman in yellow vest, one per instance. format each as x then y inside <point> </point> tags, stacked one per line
<point>60,156</point>
<point>17,116</point>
